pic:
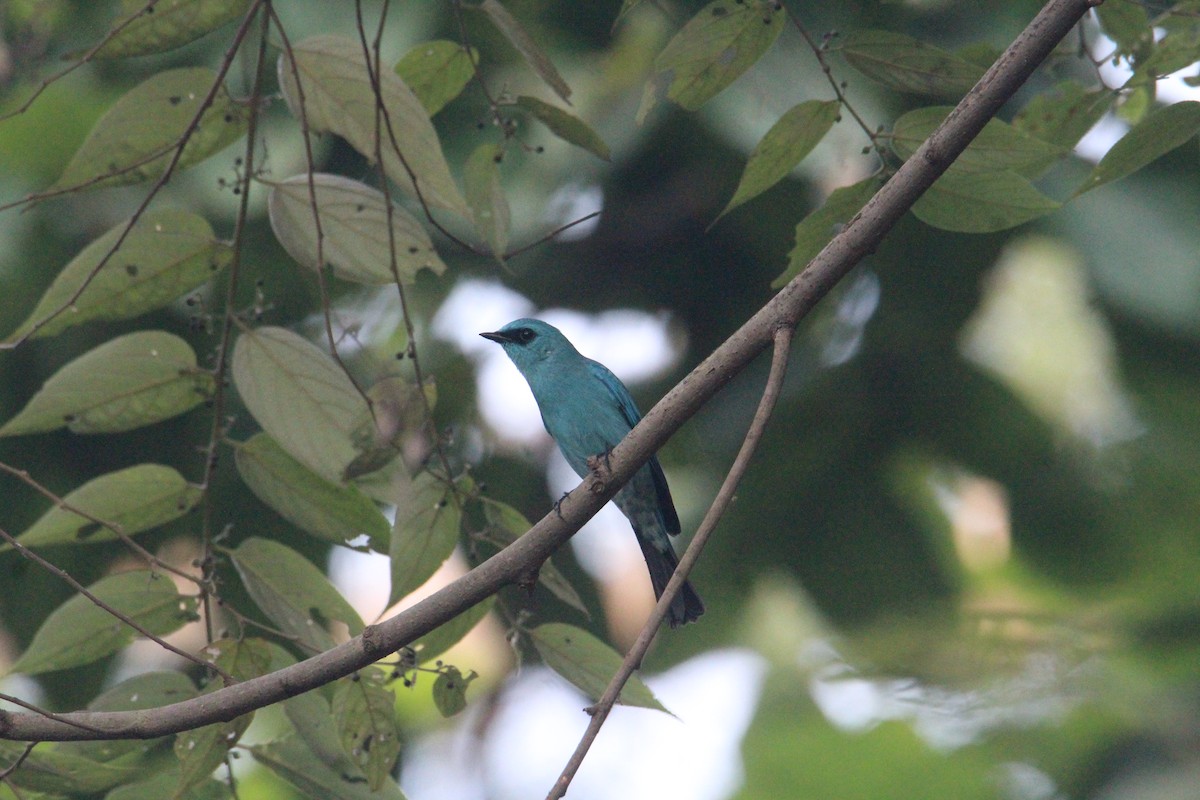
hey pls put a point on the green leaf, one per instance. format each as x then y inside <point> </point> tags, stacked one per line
<point>135,139</point>
<point>568,127</point>
<point>486,196</point>
<point>626,7</point>
<point>982,202</point>
<point>1158,133</point>
<point>311,718</point>
<point>354,227</point>
<point>783,147</point>
<point>525,44</point>
<point>818,228</point>
<point>364,711</point>
<point>79,632</point>
<point>424,535</point>
<point>292,592</point>
<point>450,690</point>
<point>1179,46</point>
<point>133,499</point>
<point>338,98</point>
<point>903,63</point>
<point>1062,116</point>
<point>300,396</point>
<point>134,380</point>
<point>141,692</point>
<point>165,255</point>
<point>162,785</point>
<point>437,72</point>
<point>588,663</point>
<point>506,525</point>
<point>56,772</point>
<point>291,760</point>
<point>711,51</point>
<point>328,511</point>
<point>166,24</point>
<point>397,411</point>
<point>1125,23</point>
<point>998,146</point>
<point>448,634</point>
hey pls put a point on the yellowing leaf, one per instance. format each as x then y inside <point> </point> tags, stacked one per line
<point>437,72</point>
<point>783,147</point>
<point>338,97</point>
<point>565,126</point>
<point>711,51</point>
<point>134,380</point>
<point>903,63</point>
<point>165,255</point>
<point>354,224</point>
<point>135,139</point>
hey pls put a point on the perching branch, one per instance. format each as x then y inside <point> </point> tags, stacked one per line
<point>860,237</point>
<point>633,659</point>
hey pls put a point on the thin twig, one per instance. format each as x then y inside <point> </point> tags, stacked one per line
<point>633,659</point>
<point>16,701</point>
<point>11,768</point>
<point>125,618</point>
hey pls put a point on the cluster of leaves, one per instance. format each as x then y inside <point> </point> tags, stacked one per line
<point>330,454</point>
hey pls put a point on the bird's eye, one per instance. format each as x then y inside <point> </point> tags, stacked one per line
<point>524,335</point>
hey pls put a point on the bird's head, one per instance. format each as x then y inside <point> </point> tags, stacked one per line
<point>531,342</point>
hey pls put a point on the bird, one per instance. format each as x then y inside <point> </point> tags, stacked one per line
<point>587,411</point>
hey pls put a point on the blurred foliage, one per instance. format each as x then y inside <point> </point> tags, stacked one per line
<point>978,501</point>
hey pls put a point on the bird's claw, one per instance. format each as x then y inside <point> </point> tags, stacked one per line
<point>558,504</point>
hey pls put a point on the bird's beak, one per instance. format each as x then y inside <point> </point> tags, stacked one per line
<point>496,336</point>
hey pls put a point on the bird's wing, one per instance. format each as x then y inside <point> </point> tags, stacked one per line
<point>629,410</point>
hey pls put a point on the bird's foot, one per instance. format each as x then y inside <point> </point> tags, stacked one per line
<point>558,504</point>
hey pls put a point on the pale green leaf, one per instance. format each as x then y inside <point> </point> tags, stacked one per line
<point>364,711</point>
<point>982,202</point>
<point>79,632</point>
<point>165,255</point>
<point>338,97</point>
<point>481,177</point>
<point>397,412</point>
<point>505,526</point>
<point>568,127</point>
<point>818,228</point>
<point>354,226</point>
<point>1126,23</point>
<point>442,638</point>
<point>903,63</point>
<point>450,690</point>
<point>525,44</point>
<point>711,51</point>
<point>133,499</point>
<point>134,380</point>
<point>784,146</point>
<point>588,663</point>
<point>161,784</point>
<point>293,593</point>
<point>141,692</point>
<point>998,146</point>
<point>1062,116</point>
<point>57,772</point>
<point>311,718</point>
<point>437,72</point>
<point>626,7</point>
<point>291,760</point>
<point>300,396</point>
<point>328,511</point>
<point>424,535</point>
<point>135,139</point>
<point>1159,133</point>
<point>166,24</point>
<point>1179,46</point>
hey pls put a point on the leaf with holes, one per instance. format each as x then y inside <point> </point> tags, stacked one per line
<point>134,500</point>
<point>301,397</point>
<point>354,227</point>
<point>166,24</point>
<point>568,127</point>
<point>450,690</point>
<point>1159,133</point>
<point>328,511</point>
<point>486,196</point>
<point>364,711</point>
<point>437,72</point>
<point>998,146</point>
<point>527,46</point>
<point>293,593</point>
<point>783,147</point>
<point>165,255</point>
<point>818,228</point>
<point>711,51</point>
<point>424,535</point>
<point>982,202</point>
<point>136,139</point>
<point>588,663</point>
<point>905,64</point>
<point>339,98</point>
<point>79,632</point>
<point>134,380</point>
<point>292,761</point>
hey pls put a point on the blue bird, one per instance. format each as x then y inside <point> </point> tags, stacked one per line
<point>588,411</point>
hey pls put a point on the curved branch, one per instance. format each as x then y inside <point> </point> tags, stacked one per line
<point>858,239</point>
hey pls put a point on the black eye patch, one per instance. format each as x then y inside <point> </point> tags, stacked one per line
<point>524,335</point>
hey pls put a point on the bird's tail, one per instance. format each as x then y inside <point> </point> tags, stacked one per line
<point>686,606</point>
